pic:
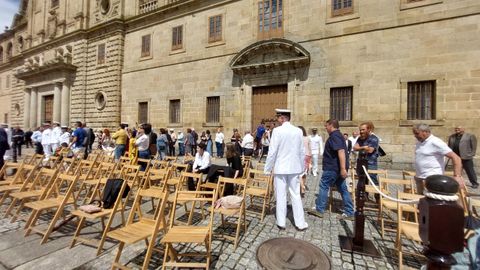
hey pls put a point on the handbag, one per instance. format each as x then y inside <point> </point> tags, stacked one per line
<point>92,207</point>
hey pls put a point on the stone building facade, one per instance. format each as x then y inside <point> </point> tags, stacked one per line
<point>229,63</point>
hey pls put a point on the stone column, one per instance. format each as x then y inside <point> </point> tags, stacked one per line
<point>65,107</point>
<point>26,109</point>
<point>33,108</point>
<point>57,97</point>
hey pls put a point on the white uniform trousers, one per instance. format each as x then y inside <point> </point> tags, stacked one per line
<point>292,183</point>
<point>53,147</point>
<point>315,163</point>
<point>47,150</point>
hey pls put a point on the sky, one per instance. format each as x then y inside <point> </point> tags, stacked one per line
<point>8,8</point>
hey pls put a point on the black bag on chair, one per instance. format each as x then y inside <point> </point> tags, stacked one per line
<point>110,194</point>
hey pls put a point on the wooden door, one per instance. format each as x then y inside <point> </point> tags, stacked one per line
<point>48,108</point>
<point>265,100</point>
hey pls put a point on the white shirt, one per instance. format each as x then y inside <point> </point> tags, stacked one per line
<point>219,137</point>
<point>64,138</point>
<point>354,140</point>
<point>316,144</point>
<point>429,156</point>
<point>142,142</point>
<point>55,135</point>
<point>286,152</point>
<point>37,136</point>
<point>46,136</point>
<point>202,161</point>
<point>247,141</point>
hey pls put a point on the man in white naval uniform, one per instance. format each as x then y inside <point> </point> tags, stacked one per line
<point>316,146</point>
<point>65,137</point>
<point>55,136</point>
<point>46,138</point>
<point>286,158</point>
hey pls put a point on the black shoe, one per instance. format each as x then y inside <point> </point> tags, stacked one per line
<point>281,228</point>
<point>301,230</point>
<point>474,185</point>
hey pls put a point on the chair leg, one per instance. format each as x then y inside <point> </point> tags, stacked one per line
<point>17,212</point>
<point>52,224</point>
<point>10,207</point>
<point>119,253</point>
<point>31,221</point>
<point>81,220</point>
<point>263,209</point>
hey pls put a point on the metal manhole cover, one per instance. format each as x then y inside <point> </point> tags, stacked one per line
<point>291,253</point>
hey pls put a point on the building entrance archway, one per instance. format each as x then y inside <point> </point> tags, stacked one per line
<point>265,100</point>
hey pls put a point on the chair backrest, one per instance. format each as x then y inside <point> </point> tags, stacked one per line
<point>25,173</point>
<point>105,169</point>
<point>63,186</point>
<point>184,178</point>
<point>85,169</point>
<point>130,173</point>
<point>124,160</point>
<point>171,159</point>
<point>160,164</point>
<point>156,177</point>
<point>68,165</point>
<point>202,197</point>
<point>402,185</point>
<point>159,209</point>
<point>259,179</point>
<point>240,183</point>
<point>36,159</point>
<point>380,173</point>
<point>43,181</point>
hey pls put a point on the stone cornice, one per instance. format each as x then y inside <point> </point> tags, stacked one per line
<point>42,70</point>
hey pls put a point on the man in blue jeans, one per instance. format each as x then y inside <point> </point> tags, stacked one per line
<point>335,164</point>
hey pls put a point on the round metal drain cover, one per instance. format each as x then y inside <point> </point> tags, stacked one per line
<point>291,253</point>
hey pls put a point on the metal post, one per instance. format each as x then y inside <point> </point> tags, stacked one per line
<point>358,244</point>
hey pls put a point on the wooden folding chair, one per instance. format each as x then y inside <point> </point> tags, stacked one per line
<point>259,186</point>
<point>3,172</point>
<point>407,229</point>
<point>141,226</point>
<point>68,165</point>
<point>82,216</point>
<point>91,186</point>
<point>160,164</point>
<point>170,159</point>
<point>61,194</point>
<point>177,169</point>
<point>390,186</point>
<point>38,189</point>
<point>181,185</point>
<point>23,177</point>
<point>238,213</point>
<point>200,234</point>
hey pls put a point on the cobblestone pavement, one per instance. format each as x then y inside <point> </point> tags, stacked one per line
<point>19,252</point>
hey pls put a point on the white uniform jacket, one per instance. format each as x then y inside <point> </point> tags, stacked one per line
<point>286,152</point>
<point>55,135</point>
<point>46,136</point>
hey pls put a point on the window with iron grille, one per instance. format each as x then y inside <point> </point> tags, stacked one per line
<point>101,54</point>
<point>213,109</point>
<point>215,28</point>
<point>146,40</point>
<point>54,3</point>
<point>421,100</point>
<point>174,111</point>
<point>142,112</point>
<point>270,18</point>
<point>341,103</point>
<point>7,81</point>
<point>9,50</point>
<point>342,7</point>
<point>177,37</point>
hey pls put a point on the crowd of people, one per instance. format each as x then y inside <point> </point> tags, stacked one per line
<point>291,154</point>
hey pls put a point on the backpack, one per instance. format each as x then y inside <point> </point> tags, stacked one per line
<point>161,143</point>
<point>110,193</point>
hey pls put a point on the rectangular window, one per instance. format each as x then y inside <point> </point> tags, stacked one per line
<point>270,19</point>
<point>213,109</point>
<point>7,81</point>
<point>215,28</point>
<point>101,54</point>
<point>341,103</point>
<point>421,100</point>
<point>146,45</point>
<point>174,111</point>
<point>5,117</point>
<point>54,3</point>
<point>177,37</point>
<point>342,7</point>
<point>142,112</point>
